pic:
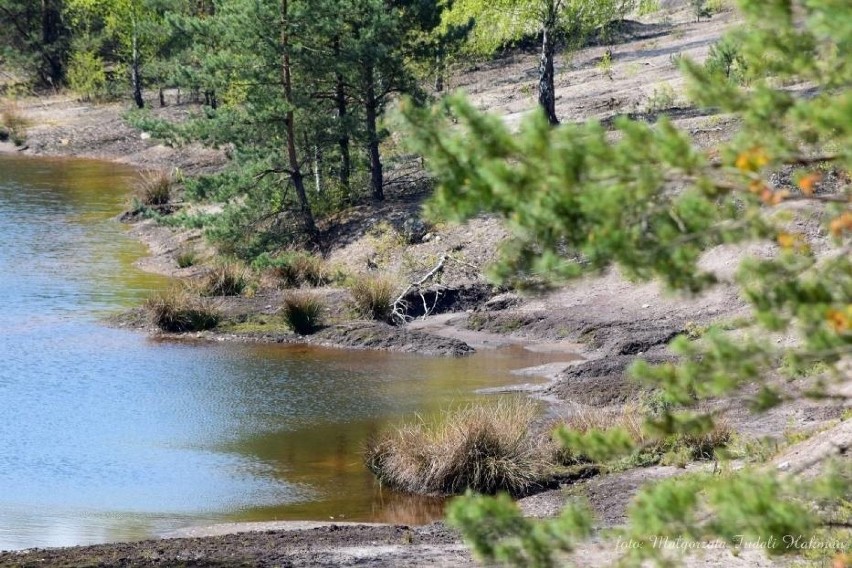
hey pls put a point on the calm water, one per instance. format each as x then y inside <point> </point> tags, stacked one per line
<point>108,435</point>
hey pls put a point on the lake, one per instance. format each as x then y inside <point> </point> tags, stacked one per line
<point>107,434</point>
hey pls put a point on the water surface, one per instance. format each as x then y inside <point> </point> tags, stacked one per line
<point>106,434</point>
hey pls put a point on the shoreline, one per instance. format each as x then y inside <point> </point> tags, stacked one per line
<point>603,318</point>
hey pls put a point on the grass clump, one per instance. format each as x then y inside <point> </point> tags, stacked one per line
<point>230,279</point>
<point>374,296</point>
<point>154,188</point>
<point>179,311</point>
<point>13,125</point>
<point>187,258</point>
<point>485,448</point>
<point>303,312</point>
<point>676,449</point>
<point>295,268</point>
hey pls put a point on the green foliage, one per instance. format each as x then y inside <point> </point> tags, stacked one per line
<point>35,41</point>
<point>86,75</point>
<point>498,531</point>
<point>663,98</point>
<point>303,312</point>
<point>725,59</point>
<point>580,199</point>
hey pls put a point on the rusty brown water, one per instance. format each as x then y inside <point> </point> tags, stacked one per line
<point>106,435</point>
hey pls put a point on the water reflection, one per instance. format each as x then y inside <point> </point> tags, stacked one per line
<point>106,435</point>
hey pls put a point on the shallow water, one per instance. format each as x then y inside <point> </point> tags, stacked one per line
<point>108,435</point>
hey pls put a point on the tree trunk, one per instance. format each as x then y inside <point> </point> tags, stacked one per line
<point>343,140</point>
<point>289,121</point>
<point>546,88</point>
<point>439,73</point>
<point>51,22</point>
<point>135,68</point>
<point>371,108</point>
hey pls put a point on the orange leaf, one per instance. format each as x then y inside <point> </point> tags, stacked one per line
<point>841,224</point>
<point>807,182</point>
<point>838,320</point>
<point>786,240</point>
<point>756,187</point>
<point>752,160</point>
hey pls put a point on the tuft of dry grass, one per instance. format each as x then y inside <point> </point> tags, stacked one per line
<point>229,279</point>
<point>154,188</point>
<point>186,258</point>
<point>374,296</point>
<point>675,448</point>
<point>486,448</point>
<point>177,311</point>
<point>300,268</point>
<point>13,124</point>
<point>303,312</point>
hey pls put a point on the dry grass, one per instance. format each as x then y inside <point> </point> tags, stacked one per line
<point>303,312</point>
<point>486,448</point>
<point>230,279</point>
<point>374,296</point>
<point>673,449</point>
<point>154,188</point>
<point>187,258</point>
<point>177,311</point>
<point>298,269</point>
<point>13,124</point>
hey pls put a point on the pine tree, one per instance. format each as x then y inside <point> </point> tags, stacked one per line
<point>648,200</point>
<point>36,38</point>
<point>500,22</point>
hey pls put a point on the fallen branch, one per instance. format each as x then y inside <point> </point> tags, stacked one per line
<point>400,305</point>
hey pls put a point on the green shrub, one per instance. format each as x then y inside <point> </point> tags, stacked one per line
<point>86,75</point>
<point>303,312</point>
<point>154,188</point>
<point>725,59</point>
<point>230,279</point>
<point>179,311</point>
<point>374,296</point>
<point>485,448</point>
<point>295,268</point>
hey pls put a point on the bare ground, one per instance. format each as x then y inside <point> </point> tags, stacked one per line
<point>607,319</point>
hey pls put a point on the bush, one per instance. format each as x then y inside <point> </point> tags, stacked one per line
<point>725,59</point>
<point>229,279</point>
<point>154,188</point>
<point>303,312</point>
<point>295,268</point>
<point>14,125</point>
<point>86,75</point>
<point>178,311</point>
<point>485,448</point>
<point>374,296</point>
